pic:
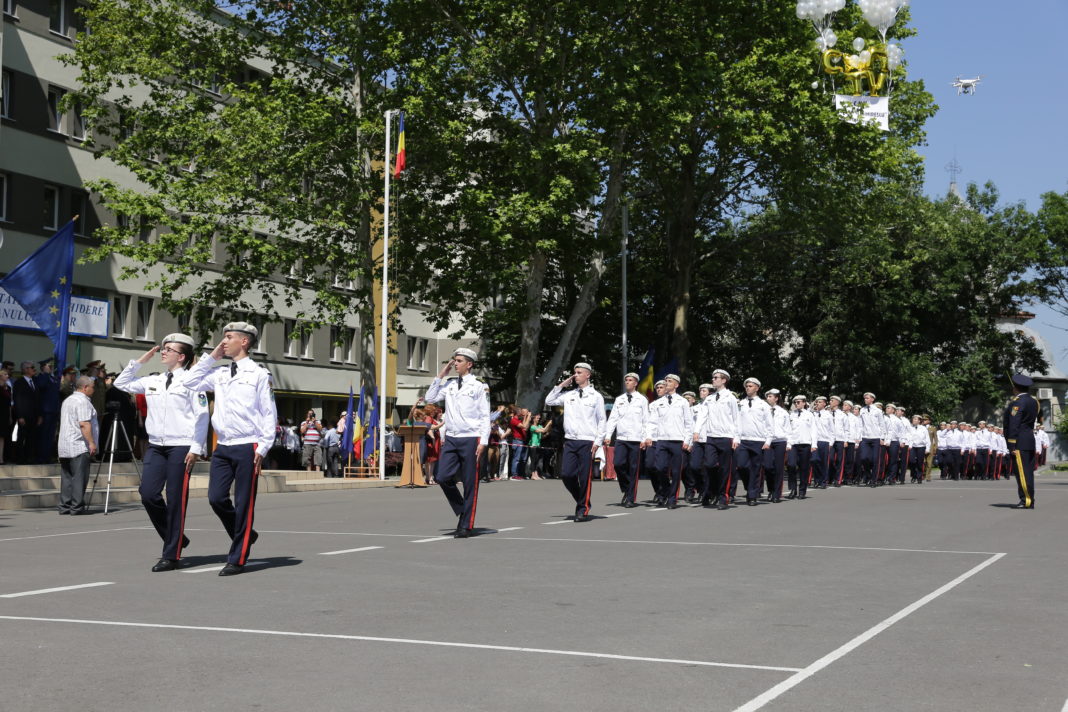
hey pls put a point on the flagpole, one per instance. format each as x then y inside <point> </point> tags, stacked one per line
<point>383,347</point>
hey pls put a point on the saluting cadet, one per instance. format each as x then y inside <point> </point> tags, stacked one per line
<point>584,426</point>
<point>627,421</point>
<point>177,427</point>
<point>244,421</point>
<point>982,450</point>
<point>696,477</point>
<point>824,430</point>
<point>1020,416</point>
<point>670,416</point>
<point>840,421</point>
<point>802,435</point>
<point>871,431</point>
<point>754,435</point>
<point>775,456</point>
<point>467,429</point>
<point>719,427</point>
<point>919,445</point>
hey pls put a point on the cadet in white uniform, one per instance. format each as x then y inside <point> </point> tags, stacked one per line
<point>467,428</point>
<point>718,425</point>
<point>823,422</point>
<point>671,418</point>
<point>871,433</point>
<point>177,428</point>
<point>584,427</point>
<point>696,479</point>
<point>754,435</point>
<point>775,456</point>
<point>803,437</point>
<point>919,445</point>
<point>244,420</point>
<point>627,421</point>
<point>840,421</point>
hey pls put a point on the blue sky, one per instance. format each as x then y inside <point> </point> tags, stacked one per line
<point>1012,131</point>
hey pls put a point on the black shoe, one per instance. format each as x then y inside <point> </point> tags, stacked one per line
<point>185,542</point>
<point>252,539</point>
<point>721,504</point>
<point>792,495</point>
<point>582,517</point>
<point>751,502</point>
<point>231,570</point>
<point>706,502</point>
<point>672,505</point>
<point>623,502</point>
<point>64,511</point>
<point>776,500</point>
<point>1021,505</point>
<point>461,533</point>
<point>165,565</point>
<point>802,496</point>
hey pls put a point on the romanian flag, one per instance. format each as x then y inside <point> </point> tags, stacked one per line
<point>647,375</point>
<point>399,165</point>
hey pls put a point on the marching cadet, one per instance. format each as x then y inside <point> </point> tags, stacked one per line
<point>697,475</point>
<point>754,435</point>
<point>802,435</point>
<point>871,431</point>
<point>943,455</point>
<point>953,454</point>
<point>919,444</point>
<point>1020,416</point>
<point>647,453</point>
<point>775,456</point>
<point>932,431</point>
<point>1003,453</point>
<point>177,427</point>
<point>840,421</point>
<point>672,420</point>
<point>982,450</point>
<point>891,444</point>
<point>627,421</point>
<point>967,450</point>
<point>1041,444</point>
<point>584,427</point>
<point>904,433</point>
<point>467,430</point>
<point>852,453</point>
<point>719,427</point>
<point>824,429</point>
<point>244,421</point>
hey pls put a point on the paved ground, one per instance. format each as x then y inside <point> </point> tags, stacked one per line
<point>933,597</point>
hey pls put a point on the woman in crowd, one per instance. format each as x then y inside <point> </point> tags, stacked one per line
<point>434,422</point>
<point>5,411</point>
<point>537,432</point>
<point>519,423</point>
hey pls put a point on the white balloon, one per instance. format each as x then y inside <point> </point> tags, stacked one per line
<point>858,43</point>
<point>854,59</point>
<point>815,85</point>
<point>865,56</point>
<point>830,38</point>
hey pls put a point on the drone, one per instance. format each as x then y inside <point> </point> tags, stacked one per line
<point>966,86</point>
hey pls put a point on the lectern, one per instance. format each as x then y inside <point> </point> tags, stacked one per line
<point>412,469</point>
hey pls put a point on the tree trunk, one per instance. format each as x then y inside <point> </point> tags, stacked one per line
<point>681,238</point>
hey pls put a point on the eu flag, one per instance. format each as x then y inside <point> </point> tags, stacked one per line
<point>41,286</point>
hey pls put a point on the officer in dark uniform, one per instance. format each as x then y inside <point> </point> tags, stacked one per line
<point>1020,417</point>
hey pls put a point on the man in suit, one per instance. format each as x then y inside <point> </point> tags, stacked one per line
<point>1020,415</point>
<point>27,414</point>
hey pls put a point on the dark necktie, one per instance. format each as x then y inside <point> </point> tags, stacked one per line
<point>33,386</point>
<point>717,396</point>
<point>669,400</point>
<point>750,402</point>
<point>170,377</point>
<point>233,370</point>
<point>580,392</point>
<point>629,396</point>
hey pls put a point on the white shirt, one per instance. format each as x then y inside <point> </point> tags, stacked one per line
<point>780,425</point>
<point>584,417</point>
<point>627,419</point>
<point>718,417</point>
<point>824,426</point>
<point>919,437</point>
<point>871,423</point>
<point>672,419</point>
<point>77,409</point>
<point>177,416</point>
<point>754,419</point>
<point>983,438</point>
<point>903,428</point>
<point>952,438</point>
<point>840,421</point>
<point>244,403</point>
<point>854,428</point>
<point>696,411</point>
<point>467,408</point>
<point>802,427</point>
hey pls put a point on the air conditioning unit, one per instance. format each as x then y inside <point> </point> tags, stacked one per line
<point>1045,394</point>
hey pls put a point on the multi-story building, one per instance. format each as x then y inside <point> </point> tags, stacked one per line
<point>44,166</point>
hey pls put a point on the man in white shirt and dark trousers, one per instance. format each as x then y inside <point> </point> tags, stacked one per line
<point>244,421</point>
<point>754,434</point>
<point>627,421</point>
<point>177,427</point>
<point>672,420</point>
<point>467,430</point>
<point>824,430</point>
<point>695,476</point>
<point>871,433</point>
<point>718,425</point>
<point>803,438</point>
<point>78,435</point>
<point>584,427</point>
<point>775,456</point>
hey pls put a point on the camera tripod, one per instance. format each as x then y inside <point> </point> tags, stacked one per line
<point>109,453</point>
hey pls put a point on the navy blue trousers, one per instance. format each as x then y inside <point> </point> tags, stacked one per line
<point>575,471</point>
<point>748,459</point>
<point>850,462</point>
<point>234,465</point>
<point>669,464</point>
<point>775,467</point>
<point>797,466</point>
<point>917,459</point>
<point>1022,463</point>
<point>870,454</point>
<point>837,472</point>
<point>892,460</point>
<point>165,468</point>
<point>822,462</point>
<point>719,464</point>
<point>694,477</point>
<point>627,459</point>
<point>458,462</point>
<point>982,462</point>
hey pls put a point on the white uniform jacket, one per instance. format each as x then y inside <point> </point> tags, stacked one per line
<point>177,416</point>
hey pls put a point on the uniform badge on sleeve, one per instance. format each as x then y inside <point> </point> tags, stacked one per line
<point>202,398</point>
<point>1015,409</point>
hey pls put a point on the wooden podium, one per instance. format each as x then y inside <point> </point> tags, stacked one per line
<point>412,469</point>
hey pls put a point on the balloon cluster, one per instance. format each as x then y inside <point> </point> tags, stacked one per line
<point>880,14</point>
<point>894,55</point>
<point>821,13</point>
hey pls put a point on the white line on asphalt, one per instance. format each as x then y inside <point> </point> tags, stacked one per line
<point>93,531</point>
<point>617,514</point>
<point>509,529</point>
<point>557,521</point>
<point>55,590</point>
<point>1065,708</point>
<point>405,641</point>
<point>433,538</point>
<point>205,569</point>
<point>349,551</point>
<point>656,509</point>
<point>271,531</point>
<point>724,543</point>
<point>802,675</point>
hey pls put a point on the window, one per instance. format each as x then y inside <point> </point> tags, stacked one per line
<point>57,17</point>
<point>305,344</point>
<point>3,197</point>
<point>144,230</point>
<point>51,207</point>
<point>417,349</point>
<point>82,207</point>
<point>341,340</point>
<point>55,114</point>
<point>77,123</point>
<point>6,80</point>
<point>120,308</point>
<point>260,323</point>
<point>144,317</point>
<point>183,322</point>
<point>9,7</point>
<point>292,344</point>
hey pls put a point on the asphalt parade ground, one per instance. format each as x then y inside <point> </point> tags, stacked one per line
<point>916,597</point>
